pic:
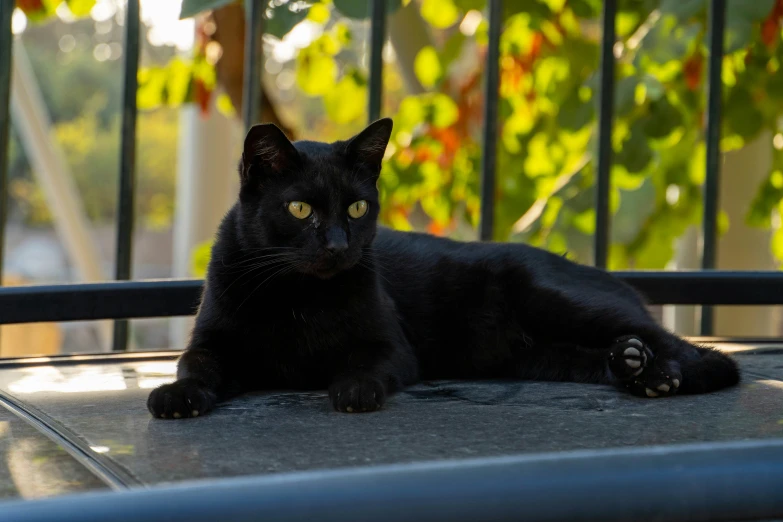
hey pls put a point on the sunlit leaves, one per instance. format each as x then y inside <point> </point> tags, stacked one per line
<point>37,10</point>
<point>439,13</point>
<point>177,83</point>
<point>434,108</point>
<point>318,13</point>
<point>427,66</point>
<point>347,100</point>
<point>202,253</point>
<point>80,7</point>
<point>316,70</point>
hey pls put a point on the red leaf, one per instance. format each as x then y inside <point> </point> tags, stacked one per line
<point>30,6</point>
<point>201,95</point>
<point>692,69</point>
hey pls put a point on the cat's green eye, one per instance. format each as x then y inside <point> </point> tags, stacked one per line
<point>358,209</point>
<point>300,209</point>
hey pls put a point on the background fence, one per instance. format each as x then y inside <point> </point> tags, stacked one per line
<point>126,299</point>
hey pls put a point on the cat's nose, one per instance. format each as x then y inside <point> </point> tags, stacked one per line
<point>336,241</point>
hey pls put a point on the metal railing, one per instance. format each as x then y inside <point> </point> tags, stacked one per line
<point>123,300</point>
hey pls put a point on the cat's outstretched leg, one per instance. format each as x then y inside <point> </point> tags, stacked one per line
<point>659,364</point>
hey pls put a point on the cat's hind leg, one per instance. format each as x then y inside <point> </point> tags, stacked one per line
<point>657,363</point>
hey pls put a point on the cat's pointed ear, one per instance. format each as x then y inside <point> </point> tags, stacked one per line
<point>369,146</point>
<point>267,150</point>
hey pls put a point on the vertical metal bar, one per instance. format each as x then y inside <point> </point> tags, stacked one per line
<point>377,39</point>
<point>490,134</point>
<point>717,25</point>
<point>6,42</point>
<point>254,53</point>
<point>125,200</point>
<point>605,117</point>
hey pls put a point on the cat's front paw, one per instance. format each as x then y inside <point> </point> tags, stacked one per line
<point>180,400</point>
<point>357,394</point>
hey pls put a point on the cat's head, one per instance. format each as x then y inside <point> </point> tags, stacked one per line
<point>315,203</point>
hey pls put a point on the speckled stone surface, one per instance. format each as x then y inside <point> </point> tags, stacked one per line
<point>287,431</point>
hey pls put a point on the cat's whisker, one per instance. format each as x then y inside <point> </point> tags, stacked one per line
<point>254,264</point>
<point>279,272</point>
<point>271,265</point>
<point>259,258</point>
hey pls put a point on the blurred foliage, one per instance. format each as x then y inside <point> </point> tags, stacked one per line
<point>547,115</point>
<point>36,10</point>
<point>548,93</point>
<point>86,122</point>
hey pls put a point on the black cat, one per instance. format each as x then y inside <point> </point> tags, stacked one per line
<point>305,292</point>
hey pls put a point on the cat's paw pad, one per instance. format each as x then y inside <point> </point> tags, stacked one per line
<point>181,399</point>
<point>628,357</point>
<point>357,395</point>
<point>662,378</point>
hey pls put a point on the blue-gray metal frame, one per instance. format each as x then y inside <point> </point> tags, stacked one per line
<point>603,164</point>
<point>490,131</point>
<point>127,185</point>
<point>717,24</point>
<point>714,481</point>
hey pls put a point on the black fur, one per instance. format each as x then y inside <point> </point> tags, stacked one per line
<point>332,302</point>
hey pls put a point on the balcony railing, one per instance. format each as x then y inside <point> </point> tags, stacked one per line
<point>126,299</point>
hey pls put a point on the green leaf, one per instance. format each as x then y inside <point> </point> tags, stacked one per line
<point>151,92</point>
<point>427,66</point>
<point>664,118</point>
<point>468,5</point>
<point>635,154</point>
<point>444,111</point>
<point>410,114</point>
<point>347,101</point>
<point>315,72</point>
<point>777,244</point>
<point>202,253</point>
<point>178,79</point>
<point>574,114</point>
<point>319,13</point>
<point>741,115</point>
<point>361,9</point>
<point>585,8</point>
<point>625,97</point>
<point>194,7</point>
<point>80,8</point>
<point>683,9</point>
<point>452,49</point>
<point>439,13</point>
<point>741,18</point>
<point>283,19</point>
<point>750,11</point>
<point>585,221</point>
<point>653,87</point>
